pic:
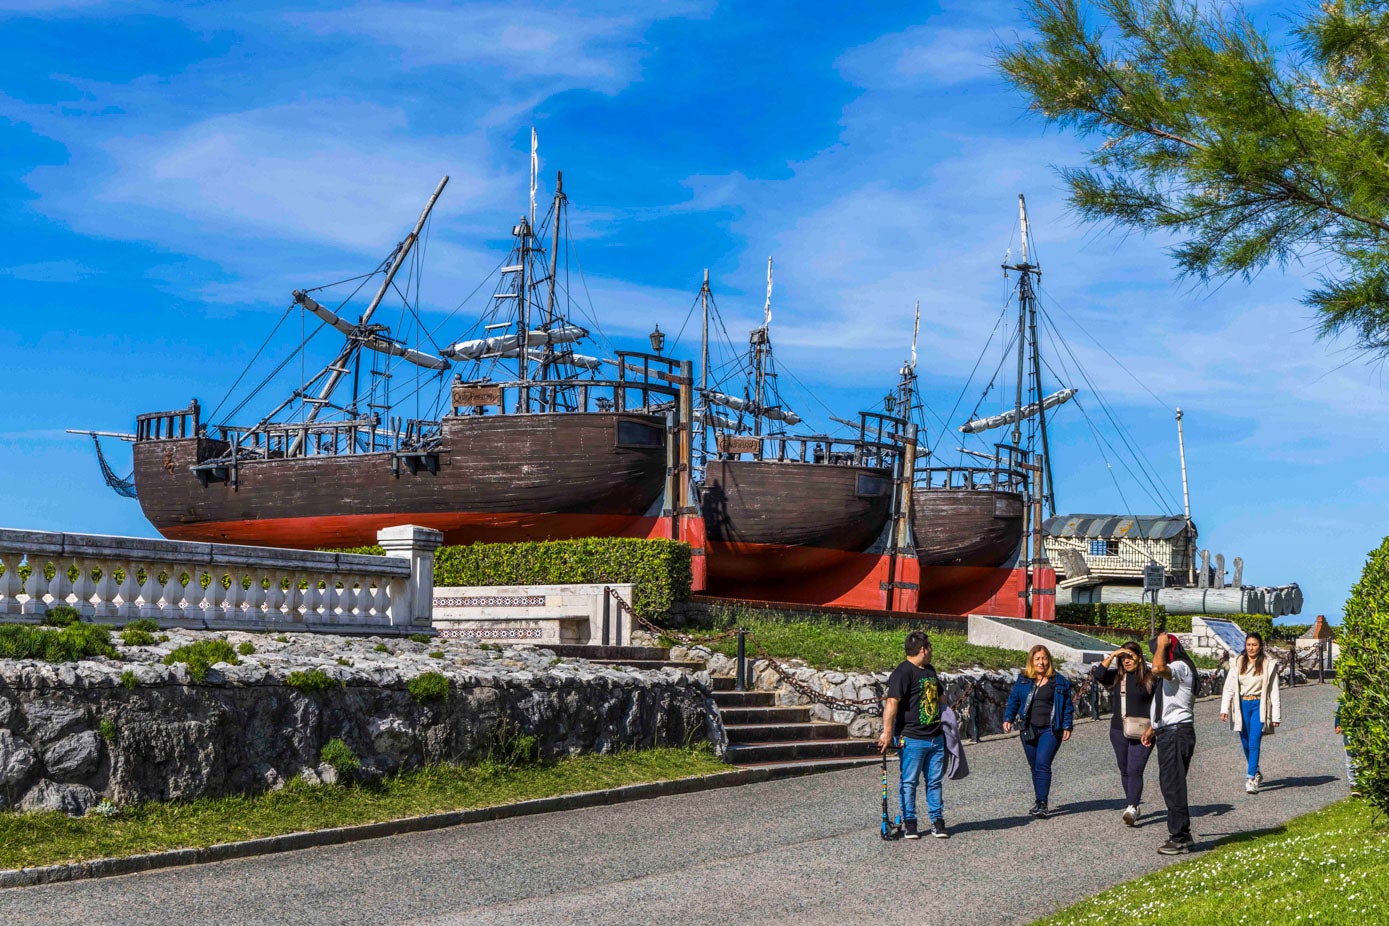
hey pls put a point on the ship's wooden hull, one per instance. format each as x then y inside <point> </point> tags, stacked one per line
<point>766,519</point>
<point>964,527</point>
<point>499,478</point>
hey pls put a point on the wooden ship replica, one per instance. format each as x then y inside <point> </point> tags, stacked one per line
<point>787,516</point>
<point>530,441</point>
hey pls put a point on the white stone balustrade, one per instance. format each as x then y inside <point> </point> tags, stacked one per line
<point>220,586</point>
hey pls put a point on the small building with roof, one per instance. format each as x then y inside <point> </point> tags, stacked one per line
<point>1089,549</point>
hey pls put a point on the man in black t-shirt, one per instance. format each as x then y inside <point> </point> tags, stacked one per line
<point>912,711</point>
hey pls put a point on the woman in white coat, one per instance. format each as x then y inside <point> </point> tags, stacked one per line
<point>1250,703</point>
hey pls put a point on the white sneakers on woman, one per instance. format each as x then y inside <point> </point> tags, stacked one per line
<point>1252,786</point>
<point>1131,815</point>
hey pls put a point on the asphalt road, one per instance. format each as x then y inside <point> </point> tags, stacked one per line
<point>800,851</point>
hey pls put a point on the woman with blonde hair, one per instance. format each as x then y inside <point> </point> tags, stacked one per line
<point>1040,709</point>
<point>1250,703</point>
<point>1130,702</point>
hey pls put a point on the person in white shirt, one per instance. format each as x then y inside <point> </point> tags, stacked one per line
<point>1250,703</point>
<point>1175,735</point>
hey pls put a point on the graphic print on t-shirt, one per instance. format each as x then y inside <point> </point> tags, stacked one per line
<point>929,712</point>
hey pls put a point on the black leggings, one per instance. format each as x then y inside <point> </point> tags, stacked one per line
<point>1132,757</point>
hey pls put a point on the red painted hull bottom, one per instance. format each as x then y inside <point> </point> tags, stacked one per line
<point>856,580</point>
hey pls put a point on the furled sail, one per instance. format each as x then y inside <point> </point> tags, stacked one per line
<point>374,341</point>
<point>707,417</point>
<point>743,405</point>
<point>1017,414</point>
<point>582,361</point>
<point>478,348</point>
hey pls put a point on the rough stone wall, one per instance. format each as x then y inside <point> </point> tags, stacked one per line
<point>72,734</point>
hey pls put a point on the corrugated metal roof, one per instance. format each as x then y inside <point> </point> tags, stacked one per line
<point>1107,526</point>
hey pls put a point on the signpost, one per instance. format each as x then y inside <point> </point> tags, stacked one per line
<point>1154,578</point>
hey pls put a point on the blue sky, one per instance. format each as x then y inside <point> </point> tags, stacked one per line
<point>172,171</point>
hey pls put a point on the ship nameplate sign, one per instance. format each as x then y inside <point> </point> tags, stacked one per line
<point>477,396</point>
<point>730,444</point>
<point>492,601</point>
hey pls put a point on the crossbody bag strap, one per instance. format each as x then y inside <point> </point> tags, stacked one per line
<point>1123,696</point>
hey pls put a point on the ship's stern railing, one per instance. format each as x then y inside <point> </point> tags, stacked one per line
<point>172,425</point>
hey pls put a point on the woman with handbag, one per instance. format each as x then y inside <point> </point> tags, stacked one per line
<point>1040,709</point>
<point>1126,674</point>
<point>1250,703</point>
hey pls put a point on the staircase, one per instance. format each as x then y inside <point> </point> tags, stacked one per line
<point>762,735</point>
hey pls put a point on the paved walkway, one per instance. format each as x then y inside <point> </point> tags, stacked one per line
<point>798,851</point>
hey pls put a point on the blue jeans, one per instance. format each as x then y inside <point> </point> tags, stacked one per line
<point>919,755</point>
<point>1039,756</point>
<point>1251,735</point>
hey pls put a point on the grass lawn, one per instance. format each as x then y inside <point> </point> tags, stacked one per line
<point>827,643</point>
<point>49,838</point>
<point>1331,866</point>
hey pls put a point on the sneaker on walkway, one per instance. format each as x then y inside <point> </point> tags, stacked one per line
<point>1258,779</point>
<point>1130,815</point>
<point>1175,846</point>
<point>938,829</point>
<point>1039,809</point>
<point>1251,786</point>
<point>909,830</point>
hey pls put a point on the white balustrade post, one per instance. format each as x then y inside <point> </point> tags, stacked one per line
<point>129,592</point>
<point>36,586</point>
<point>83,587</point>
<point>10,583</point>
<point>104,609</point>
<point>414,602</point>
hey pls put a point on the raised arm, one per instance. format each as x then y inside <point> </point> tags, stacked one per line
<point>1160,666</point>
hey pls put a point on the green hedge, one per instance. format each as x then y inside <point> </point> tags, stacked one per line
<point>659,569</point>
<point>1364,712</point>
<point>1125,616</point>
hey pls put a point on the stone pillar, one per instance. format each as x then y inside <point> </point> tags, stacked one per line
<point>413,604</point>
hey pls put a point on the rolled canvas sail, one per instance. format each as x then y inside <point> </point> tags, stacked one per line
<point>1017,414</point>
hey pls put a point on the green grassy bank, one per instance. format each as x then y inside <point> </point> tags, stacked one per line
<point>28,840</point>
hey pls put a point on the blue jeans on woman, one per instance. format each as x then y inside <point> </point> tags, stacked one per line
<point>1039,756</point>
<point>919,755</point>
<point>1251,734</point>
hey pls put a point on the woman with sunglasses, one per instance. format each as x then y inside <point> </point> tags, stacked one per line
<point>1130,683</point>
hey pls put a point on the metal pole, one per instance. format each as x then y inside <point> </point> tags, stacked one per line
<point>741,672</point>
<point>974,712</point>
<point>607,607</point>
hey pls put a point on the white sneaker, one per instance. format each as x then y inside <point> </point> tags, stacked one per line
<point>1251,786</point>
<point>1258,779</point>
<point>1130,815</point>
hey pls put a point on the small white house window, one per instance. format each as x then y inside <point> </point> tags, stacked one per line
<point>1104,548</point>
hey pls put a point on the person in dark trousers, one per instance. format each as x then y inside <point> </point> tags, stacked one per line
<point>1126,673</point>
<point>912,712</point>
<point>1040,708</point>
<point>1175,734</point>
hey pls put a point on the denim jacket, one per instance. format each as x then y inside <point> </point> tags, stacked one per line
<point>1020,703</point>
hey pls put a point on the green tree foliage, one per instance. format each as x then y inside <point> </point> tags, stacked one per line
<point>1363,670</point>
<point>1248,154</point>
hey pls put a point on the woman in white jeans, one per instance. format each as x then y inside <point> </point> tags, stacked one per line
<point>1250,703</point>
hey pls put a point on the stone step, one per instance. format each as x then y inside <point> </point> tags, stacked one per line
<point>723,683</point>
<point>745,699</point>
<point>795,750</point>
<point>754,715</point>
<point>649,664</point>
<point>772,732</point>
<point>595,653</point>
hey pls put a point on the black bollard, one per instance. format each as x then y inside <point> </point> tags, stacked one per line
<point>741,672</point>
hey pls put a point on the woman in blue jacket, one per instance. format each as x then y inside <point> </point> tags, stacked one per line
<point>1040,709</point>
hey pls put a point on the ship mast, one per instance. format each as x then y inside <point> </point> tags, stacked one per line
<point>760,342</point>
<point>704,366</point>
<point>338,368</point>
<point>1029,351</point>
<point>554,268</point>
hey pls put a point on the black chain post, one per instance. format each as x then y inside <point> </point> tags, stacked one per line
<point>741,672</point>
<point>1094,700</point>
<point>974,712</point>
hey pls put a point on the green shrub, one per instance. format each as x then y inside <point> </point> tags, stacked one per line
<point>1124,616</point>
<point>1364,712</point>
<point>54,644</point>
<point>381,648</point>
<point>136,637</point>
<point>436,654</point>
<point>203,655</point>
<point>147,624</point>
<point>420,638</point>
<point>659,570</point>
<point>429,686</point>
<point>509,747</point>
<point>107,728</point>
<point>341,757</point>
<point>344,661</point>
<point>61,615</point>
<point>282,639</point>
<point>129,679</point>
<point>310,681</point>
<point>246,648</point>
